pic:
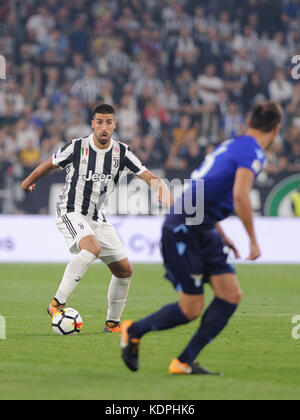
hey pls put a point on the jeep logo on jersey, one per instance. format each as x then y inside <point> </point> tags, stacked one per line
<point>97,177</point>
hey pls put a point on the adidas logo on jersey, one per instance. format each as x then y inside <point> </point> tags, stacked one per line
<point>97,177</point>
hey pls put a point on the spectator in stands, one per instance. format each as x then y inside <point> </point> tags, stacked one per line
<point>155,117</point>
<point>293,109</point>
<point>264,66</point>
<point>52,84</point>
<point>25,132</point>
<point>186,52</point>
<point>40,24</point>
<point>276,162</point>
<point>78,128</point>
<point>293,159</point>
<point>151,80</point>
<point>183,82</point>
<point>79,36</point>
<point>31,83</point>
<point>150,151</point>
<point>43,114</point>
<point>12,95</point>
<point>252,91</point>
<point>210,85</point>
<point>233,84</point>
<point>88,89</point>
<point>128,120</point>
<point>184,147</point>
<point>29,156</point>
<point>63,56</point>
<point>76,69</point>
<point>292,137</point>
<point>280,89</point>
<point>232,123</point>
<point>278,50</point>
<point>291,14</point>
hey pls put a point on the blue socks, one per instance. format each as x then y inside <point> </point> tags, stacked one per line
<point>168,317</point>
<point>214,321</point>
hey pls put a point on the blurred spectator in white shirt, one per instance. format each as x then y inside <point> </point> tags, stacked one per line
<point>210,85</point>
<point>25,133</point>
<point>280,88</point>
<point>11,95</point>
<point>278,51</point>
<point>78,129</point>
<point>41,23</point>
<point>127,120</point>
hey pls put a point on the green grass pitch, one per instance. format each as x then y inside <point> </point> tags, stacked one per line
<point>256,352</point>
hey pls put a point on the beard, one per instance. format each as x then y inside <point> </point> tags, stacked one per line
<point>103,140</point>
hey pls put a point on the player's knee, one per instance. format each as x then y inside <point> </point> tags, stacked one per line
<point>95,249</point>
<point>235,296</point>
<point>192,312</point>
<point>239,296</point>
<point>92,245</point>
<point>124,271</point>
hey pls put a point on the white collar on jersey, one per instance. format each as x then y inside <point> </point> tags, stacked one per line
<point>91,141</point>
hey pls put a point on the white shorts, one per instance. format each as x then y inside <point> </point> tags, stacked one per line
<point>75,226</point>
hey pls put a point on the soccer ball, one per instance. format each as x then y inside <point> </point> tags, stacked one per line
<point>67,322</point>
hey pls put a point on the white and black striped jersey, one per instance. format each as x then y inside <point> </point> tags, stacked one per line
<point>92,174</point>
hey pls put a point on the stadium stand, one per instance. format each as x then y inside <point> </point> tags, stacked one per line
<point>183,73</point>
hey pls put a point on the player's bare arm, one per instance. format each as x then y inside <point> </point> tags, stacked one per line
<point>29,184</point>
<point>244,181</point>
<point>228,241</point>
<point>158,185</point>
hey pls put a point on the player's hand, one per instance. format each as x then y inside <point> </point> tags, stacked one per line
<point>28,188</point>
<point>232,246</point>
<point>164,197</point>
<point>255,251</point>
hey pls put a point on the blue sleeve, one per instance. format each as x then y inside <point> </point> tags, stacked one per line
<point>251,158</point>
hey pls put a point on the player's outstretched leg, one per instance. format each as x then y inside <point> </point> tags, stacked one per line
<point>215,319</point>
<point>74,272</point>
<point>168,317</point>
<point>130,347</point>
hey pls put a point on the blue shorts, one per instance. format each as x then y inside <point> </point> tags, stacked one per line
<point>191,258</point>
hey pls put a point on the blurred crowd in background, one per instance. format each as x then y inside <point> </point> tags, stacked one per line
<point>182,75</point>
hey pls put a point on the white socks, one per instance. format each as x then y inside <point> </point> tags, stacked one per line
<point>117,298</point>
<point>74,272</point>
<point>117,292</point>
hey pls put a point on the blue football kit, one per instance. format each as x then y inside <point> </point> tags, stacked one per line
<point>193,252</point>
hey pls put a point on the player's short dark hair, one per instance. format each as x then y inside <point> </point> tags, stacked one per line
<point>266,116</point>
<point>103,109</point>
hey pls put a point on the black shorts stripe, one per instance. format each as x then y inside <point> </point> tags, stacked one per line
<point>76,163</point>
<point>88,188</point>
<point>69,226</point>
